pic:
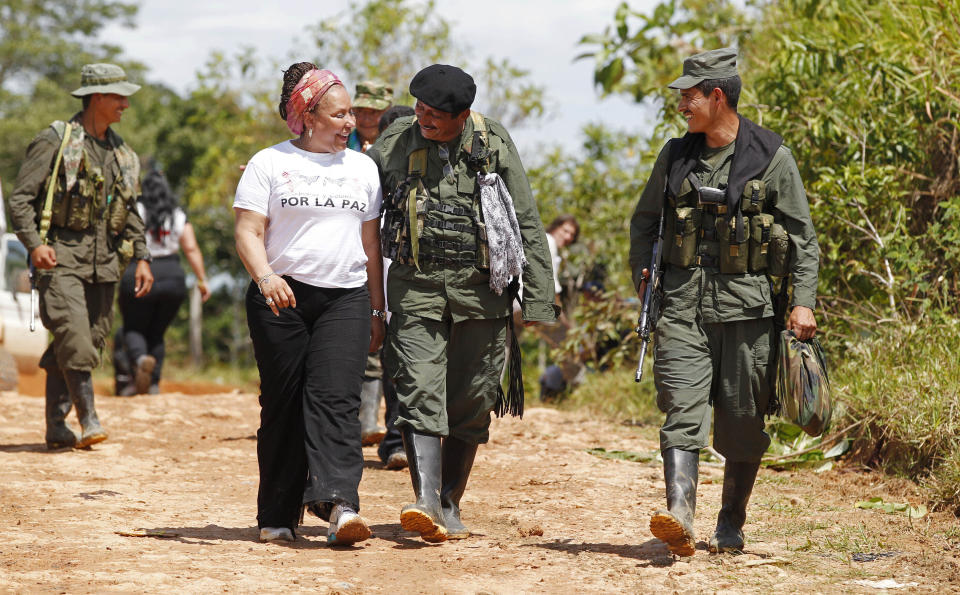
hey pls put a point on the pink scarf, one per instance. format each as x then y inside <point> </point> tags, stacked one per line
<point>312,86</point>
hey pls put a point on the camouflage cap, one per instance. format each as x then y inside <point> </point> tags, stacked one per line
<point>714,64</point>
<point>374,95</point>
<point>104,78</point>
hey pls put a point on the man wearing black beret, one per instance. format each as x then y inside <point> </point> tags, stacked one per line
<point>460,223</point>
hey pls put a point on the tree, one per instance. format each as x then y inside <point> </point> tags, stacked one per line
<point>863,93</point>
<point>52,39</point>
<point>392,40</point>
<point>43,44</point>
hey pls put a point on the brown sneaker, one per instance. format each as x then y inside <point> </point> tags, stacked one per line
<point>143,376</point>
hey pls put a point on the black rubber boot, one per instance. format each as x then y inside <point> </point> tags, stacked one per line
<point>738,480</point>
<point>59,434</point>
<point>675,525</point>
<point>370,432</point>
<point>425,516</point>
<point>457,462</point>
<point>80,385</point>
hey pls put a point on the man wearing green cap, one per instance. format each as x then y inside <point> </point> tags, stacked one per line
<point>74,208</point>
<point>735,216</point>
<point>369,103</point>
<point>460,221</point>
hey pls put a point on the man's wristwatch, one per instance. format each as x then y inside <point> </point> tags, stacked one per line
<point>148,258</point>
<point>378,313</point>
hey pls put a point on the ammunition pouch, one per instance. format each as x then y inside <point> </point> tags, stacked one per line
<point>734,255</point>
<point>778,255</point>
<point>680,236</point>
<point>752,201</point>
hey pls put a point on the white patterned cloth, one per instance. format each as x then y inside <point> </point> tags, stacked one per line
<point>503,232</point>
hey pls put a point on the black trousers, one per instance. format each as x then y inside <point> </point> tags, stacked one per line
<point>146,319</point>
<point>311,360</point>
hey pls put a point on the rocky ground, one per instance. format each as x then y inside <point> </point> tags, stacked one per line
<point>168,504</point>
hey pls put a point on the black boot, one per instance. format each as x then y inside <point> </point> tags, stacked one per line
<point>425,516</point>
<point>675,525</point>
<point>457,461</point>
<point>59,434</point>
<point>80,384</point>
<point>738,479</point>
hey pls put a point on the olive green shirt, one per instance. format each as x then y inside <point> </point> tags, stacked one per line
<point>89,254</point>
<point>463,292</point>
<point>704,291</point>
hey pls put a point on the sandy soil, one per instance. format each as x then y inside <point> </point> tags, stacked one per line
<point>168,504</point>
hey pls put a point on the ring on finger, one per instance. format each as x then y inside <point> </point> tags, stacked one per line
<point>269,301</point>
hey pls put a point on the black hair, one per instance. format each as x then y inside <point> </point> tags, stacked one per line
<point>159,202</point>
<point>85,100</point>
<point>730,87</point>
<point>392,113</point>
<point>292,76</point>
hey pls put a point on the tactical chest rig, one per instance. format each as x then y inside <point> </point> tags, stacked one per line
<point>410,210</point>
<point>76,200</point>
<point>727,228</point>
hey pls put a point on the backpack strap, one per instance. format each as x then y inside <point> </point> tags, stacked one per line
<point>416,168</point>
<point>479,159</point>
<point>47,213</point>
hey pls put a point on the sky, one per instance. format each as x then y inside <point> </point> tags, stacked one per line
<point>175,37</point>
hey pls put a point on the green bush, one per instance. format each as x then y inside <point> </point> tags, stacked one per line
<point>904,382</point>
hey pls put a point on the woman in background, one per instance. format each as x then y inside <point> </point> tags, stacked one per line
<point>139,346</point>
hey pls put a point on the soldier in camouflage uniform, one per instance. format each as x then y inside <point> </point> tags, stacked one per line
<point>76,234</point>
<point>445,341</point>
<point>736,215</point>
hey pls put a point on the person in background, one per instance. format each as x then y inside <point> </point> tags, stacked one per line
<point>139,349</point>
<point>72,207</point>
<point>391,451</point>
<point>562,232</point>
<point>308,233</point>
<point>369,103</point>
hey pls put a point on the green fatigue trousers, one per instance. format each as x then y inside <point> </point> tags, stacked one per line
<point>726,365</point>
<point>79,314</point>
<point>446,373</point>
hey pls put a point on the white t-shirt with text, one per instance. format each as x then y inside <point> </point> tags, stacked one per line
<point>315,204</point>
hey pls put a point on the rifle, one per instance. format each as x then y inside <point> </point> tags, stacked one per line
<point>652,295</point>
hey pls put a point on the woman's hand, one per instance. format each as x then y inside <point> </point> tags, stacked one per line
<point>377,332</point>
<point>277,293</point>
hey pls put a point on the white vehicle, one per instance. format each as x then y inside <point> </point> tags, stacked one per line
<point>20,349</point>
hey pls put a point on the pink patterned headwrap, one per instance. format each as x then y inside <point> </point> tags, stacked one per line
<point>312,86</point>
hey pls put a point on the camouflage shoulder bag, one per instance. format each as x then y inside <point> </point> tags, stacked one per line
<point>803,386</point>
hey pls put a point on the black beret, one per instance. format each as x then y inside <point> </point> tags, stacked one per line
<point>444,87</point>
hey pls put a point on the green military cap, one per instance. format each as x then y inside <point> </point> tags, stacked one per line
<point>373,94</point>
<point>104,78</point>
<point>715,64</point>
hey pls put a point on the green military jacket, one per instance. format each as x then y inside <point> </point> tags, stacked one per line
<point>703,291</point>
<point>463,292</point>
<point>90,254</point>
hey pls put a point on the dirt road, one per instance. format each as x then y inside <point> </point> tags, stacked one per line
<point>168,504</point>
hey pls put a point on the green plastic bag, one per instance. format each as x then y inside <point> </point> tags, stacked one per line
<point>803,386</point>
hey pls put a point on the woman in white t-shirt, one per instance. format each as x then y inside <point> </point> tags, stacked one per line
<point>139,346</point>
<point>307,231</point>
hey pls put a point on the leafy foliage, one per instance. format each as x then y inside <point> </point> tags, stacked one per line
<point>392,40</point>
